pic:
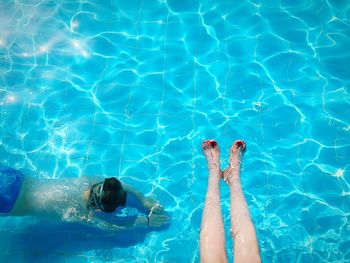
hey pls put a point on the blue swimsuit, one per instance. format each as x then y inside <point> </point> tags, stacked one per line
<point>10,186</point>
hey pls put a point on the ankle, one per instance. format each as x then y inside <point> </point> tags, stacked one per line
<point>236,164</point>
<point>233,170</point>
<point>232,178</point>
<point>213,166</point>
<point>214,180</point>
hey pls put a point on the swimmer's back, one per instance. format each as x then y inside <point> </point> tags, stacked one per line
<point>60,199</point>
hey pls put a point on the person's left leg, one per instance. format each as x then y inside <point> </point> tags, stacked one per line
<point>212,235</point>
<point>246,248</point>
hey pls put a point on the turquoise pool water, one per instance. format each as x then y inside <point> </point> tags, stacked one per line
<point>132,88</point>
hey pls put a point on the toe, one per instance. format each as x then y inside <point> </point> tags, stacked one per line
<point>239,144</point>
<point>213,143</point>
<point>203,145</point>
<point>209,144</point>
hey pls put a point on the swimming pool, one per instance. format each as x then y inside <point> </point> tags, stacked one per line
<point>132,88</point>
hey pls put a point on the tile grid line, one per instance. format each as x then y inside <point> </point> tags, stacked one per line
<point>126,115</point>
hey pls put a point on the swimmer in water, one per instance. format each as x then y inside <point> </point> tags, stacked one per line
<point>212,235</point>
<point>76,200</point>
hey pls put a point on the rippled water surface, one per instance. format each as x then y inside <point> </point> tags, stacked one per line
<point>132,88</point>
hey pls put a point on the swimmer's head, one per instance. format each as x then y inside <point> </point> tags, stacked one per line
<point>107,195</point>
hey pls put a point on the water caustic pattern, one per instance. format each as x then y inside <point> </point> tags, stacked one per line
<point>131,88</point>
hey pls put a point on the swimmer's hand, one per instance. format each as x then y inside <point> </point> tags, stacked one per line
<point>157,220</point>
<point>152,205</point>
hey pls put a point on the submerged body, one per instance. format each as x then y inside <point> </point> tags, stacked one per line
<point>75,200</point>
<point>53,199</point>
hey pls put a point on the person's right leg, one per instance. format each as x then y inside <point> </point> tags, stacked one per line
<point>246,249</point>
<point>212,236</point>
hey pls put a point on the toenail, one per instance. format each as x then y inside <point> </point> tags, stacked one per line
<point>239,144</point>
<point>213,143</point>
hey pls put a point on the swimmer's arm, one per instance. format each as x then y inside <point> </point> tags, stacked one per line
<point>148,203</point>
<point>99,223</point>
<point>133,191</point>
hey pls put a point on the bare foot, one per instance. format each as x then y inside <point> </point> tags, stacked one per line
<point>237,151</point>
<point>212,154</point>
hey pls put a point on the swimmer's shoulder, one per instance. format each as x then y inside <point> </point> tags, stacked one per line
<point>90,179</point>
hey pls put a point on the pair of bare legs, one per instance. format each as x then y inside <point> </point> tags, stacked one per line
<point>212,236</point>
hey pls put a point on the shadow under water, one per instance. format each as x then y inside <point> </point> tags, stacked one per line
<point>45,238</point>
